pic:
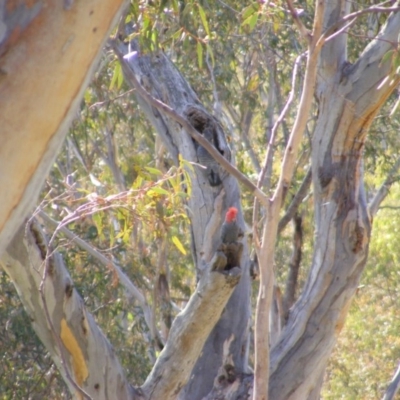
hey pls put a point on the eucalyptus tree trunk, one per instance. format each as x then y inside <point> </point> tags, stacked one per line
<point>349,98</point>
<point>48,52</point>
<point>226,345</point>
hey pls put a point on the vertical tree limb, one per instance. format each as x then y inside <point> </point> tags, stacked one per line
<point>267,250</point>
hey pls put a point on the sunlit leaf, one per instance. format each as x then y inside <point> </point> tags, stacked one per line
<point>178,245</point>
<point>204,19</point>
<point>249,10</point>
<point>117,78</point>
<point>251,22</point>
<point>158,190</point>
<point>152,170</point>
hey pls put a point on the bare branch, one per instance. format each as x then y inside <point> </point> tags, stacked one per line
<point>383,191</point>
<point>75,331</point>
<point>269,155</point>
<point>297,199</point>
<point>303,30</point>
<point>349,19</point>
<point>48,264</point>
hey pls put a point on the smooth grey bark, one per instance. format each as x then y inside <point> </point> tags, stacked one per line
<point>207,207</point>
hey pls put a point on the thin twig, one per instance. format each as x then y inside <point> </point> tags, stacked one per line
<point>297,199</point>
<point>125,281</point>
<point>383,191</point>
<point>303,30</point>
<point>352,17</point>
<point>100,103</point>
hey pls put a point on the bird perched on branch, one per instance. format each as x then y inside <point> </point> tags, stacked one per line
<point>230,234</point>
<point>212,167</point>
<point>230,230</point>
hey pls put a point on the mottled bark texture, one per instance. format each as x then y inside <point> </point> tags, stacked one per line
<point>349,98</point>
<point>48,52</point>
<point>59,317</point>
<point>208,204</point>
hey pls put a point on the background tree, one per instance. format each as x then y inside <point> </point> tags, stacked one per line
<point>140,195</point>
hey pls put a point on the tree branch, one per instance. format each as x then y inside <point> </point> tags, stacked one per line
<point>266,253</point>
<point>303,30</point>
<point>349,19</point>
<point>190,330</point>
<point>164,108</point>
<point>297,199</point>
<point>270,150</point>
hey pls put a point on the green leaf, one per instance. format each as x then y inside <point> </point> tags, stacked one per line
<point>250,10</point>
<point>117,77</point>
<point>138,182</point>
<point>251,21</point>
<point>204,19</point>
<point>152,170</point>
<point>175,6</point>
<point>158,190</point>
<point>200,54</point>
<point>98,221</point>
<point>178,245</point>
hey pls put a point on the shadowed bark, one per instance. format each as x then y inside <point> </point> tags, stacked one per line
<point>294,266</point>
<point>76,344</point>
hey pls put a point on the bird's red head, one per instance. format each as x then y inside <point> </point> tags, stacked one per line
<point>231,214</point>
